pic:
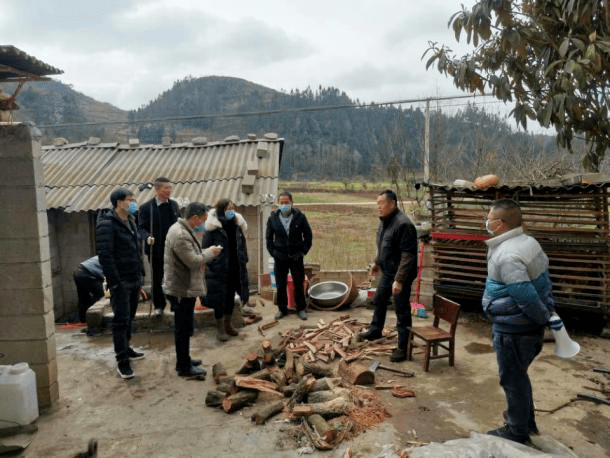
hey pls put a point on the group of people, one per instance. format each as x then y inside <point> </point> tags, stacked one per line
<point>203,254</point>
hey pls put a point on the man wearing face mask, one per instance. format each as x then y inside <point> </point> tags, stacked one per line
<point>519,300</point>
<point>184,281</point>
<point>289,239</point>
<point>119,254</point>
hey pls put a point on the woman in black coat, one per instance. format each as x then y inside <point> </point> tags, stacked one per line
<point>226,274</point>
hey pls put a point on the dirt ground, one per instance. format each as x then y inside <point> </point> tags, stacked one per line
<point>158,414</point>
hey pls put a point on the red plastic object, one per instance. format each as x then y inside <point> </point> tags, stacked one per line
<point>290,290</point>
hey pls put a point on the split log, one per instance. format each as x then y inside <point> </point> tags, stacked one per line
<point>263,374</point>
<point>328,395</point>
<point>318,370</point>
<point>289,366</point>
<point>303,387</point>
<point>325,383</point>
<point>288,390</point>
<point>356,374</point>
<point>278,376</point>
<point>214,398</point>
<point>252,364</point>
<point>218,371</point>
<point>268,358</point>
<point>334,408</point>
<point>228,387</point>
<point>299,367</point>
<point>239,400</point>
<point>320,426</point>
<point>261,416</point>
<point>314,437</point>
<point>257,384</point>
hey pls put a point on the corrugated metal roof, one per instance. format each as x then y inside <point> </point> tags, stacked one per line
<point>80,177</point>
<point>577,182</point>
<point>15,65</point>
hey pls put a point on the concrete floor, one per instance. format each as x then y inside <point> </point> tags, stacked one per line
<point>158,414</point>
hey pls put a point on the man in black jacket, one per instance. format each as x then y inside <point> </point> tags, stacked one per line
<point>118,249</point>
<point>397,263</point>
<point>154,220</point>
<point>288,241</point>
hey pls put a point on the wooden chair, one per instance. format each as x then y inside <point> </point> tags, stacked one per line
<point>434,336</point>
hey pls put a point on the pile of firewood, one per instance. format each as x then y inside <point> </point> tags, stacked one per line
<point>293,373</point>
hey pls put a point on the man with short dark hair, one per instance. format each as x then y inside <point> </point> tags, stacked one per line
<point>118,249</point>
<point>184,281</point>
<point>519,300</point>
<point>396,260</point>
<point>288,239</point>
<point>89,281</point>
<point>154,220</point>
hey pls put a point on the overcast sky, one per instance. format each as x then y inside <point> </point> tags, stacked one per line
<point>126,52</point>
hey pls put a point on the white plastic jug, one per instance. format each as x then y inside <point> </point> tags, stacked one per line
<point>18,399</point>
<point>271,266</point>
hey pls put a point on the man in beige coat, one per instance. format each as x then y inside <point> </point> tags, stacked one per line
<point>184,280</point>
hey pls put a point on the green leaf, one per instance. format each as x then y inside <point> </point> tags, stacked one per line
<point>563,49</point>
<point>552,66</point>
<point>546,114</point>
<point>431,61</point>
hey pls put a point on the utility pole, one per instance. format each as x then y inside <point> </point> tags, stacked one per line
<point>427,143</point>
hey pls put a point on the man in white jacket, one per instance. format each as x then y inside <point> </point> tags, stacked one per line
<point>184,280</point>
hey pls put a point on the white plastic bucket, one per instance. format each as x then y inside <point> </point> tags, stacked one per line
<point>18,399</point>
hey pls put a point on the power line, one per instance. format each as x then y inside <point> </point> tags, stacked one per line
<point>261,113</point>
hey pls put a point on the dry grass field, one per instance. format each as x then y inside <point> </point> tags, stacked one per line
<point>343,226</point>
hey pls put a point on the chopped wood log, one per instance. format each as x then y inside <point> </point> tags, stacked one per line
<point>320,426</point>
<point>303,387</point>
<point>318,370</point>
<point>214,398</point>
<point>325,383</point>
<point>356,374</point>
<point>278,376</point>
<point>228,387</point>
<point>288,390</point>
<point>257,384</point>
<point>263,374</point>
<point>239,400</point>
<point>269,325</point>
<point>268,357</point>
<point>314,437</point>
<point>327,395</point>
<point>218,371</point>
<point>261,416</point>
<point>252,364</point>
<point>289,366</point>
<point>299,367</point>
<point>334,408</point>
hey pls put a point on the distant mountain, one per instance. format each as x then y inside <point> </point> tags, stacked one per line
<point>327,134</point>
<point>49,103</point>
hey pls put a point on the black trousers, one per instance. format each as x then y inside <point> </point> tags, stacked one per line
<point>157,283</point>
<point>225,308</point>
<point>184,308</point>
<point>297,269</point>
<point>403,308</point>
<point>89,290</point>
<point>124,305</point>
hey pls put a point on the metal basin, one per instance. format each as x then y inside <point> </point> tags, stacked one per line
<point>328,293</point>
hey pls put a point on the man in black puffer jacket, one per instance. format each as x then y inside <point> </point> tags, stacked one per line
<point>118,249</point>
<point>289,239</point>
<point>397,262</point>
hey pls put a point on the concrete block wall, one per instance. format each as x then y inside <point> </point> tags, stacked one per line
<point>27,320</point>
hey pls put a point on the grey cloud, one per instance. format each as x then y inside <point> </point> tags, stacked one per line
<point>370,77</point>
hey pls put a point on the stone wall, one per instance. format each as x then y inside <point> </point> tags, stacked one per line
<point>27,321</point>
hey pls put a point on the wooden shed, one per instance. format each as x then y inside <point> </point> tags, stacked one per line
<point>568,217</point>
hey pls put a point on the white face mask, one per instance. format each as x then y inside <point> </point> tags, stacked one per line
<point>285,208</point>
<point>487,228</point>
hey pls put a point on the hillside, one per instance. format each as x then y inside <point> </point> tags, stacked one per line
<point>321,139</point>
